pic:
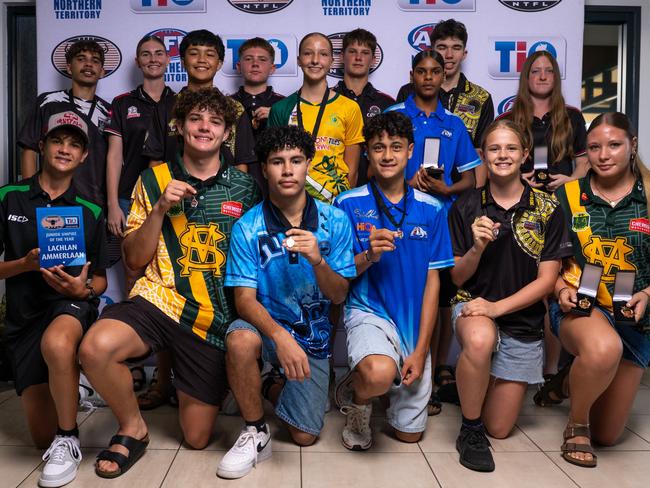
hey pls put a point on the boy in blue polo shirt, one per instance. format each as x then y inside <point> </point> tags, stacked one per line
<point>290,258</point>
<point>402,240</point>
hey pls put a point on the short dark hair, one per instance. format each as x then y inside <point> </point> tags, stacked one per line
<point>210,99</point>
<point>85,45</point>
<point>274,139</point>
<point>257,42</point>
<point>449,28</point>
<point>202,37</point>
<point>147,38</point>
<point>360,36</point>
<point>314,34</point>
<point>427,53</point>
<point>67,131</point>
<point>393,123</point>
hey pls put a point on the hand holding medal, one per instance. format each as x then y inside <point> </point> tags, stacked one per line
<point>484,231</point>
<point>381,241</point>
<point>171,201</point>
<point>300,241</point>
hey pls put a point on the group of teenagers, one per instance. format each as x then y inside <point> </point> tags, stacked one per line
<point>251,225</point>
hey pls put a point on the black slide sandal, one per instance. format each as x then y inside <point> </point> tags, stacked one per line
<point>136,450</point>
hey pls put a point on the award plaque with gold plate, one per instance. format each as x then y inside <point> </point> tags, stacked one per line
<point>588,289</point>
<point>623,291</point>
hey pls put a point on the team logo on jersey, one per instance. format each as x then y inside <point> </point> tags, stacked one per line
<point>420,37</point>
<point>506,105</point>
<point>441,5</point>
<point>264,7</point>
<point>284,45</point>
<point>112,54</point>
<point>580,221</point>
<point>612,254</point>
<point>325,247</point>
<point>200,251</point>
<point>529,5</point>
<point>640,225</point>
<point>172,38</point>
<point>447,133</point>
<point>373,110</point>
<point>346,7</point>
<point>418,233</point>
<point>168,6</point>
<point>509,54</point>
<point>67,10</point>
<point>132,112</point>
<point>336,69</point>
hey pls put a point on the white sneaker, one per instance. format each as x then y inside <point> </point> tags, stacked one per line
<point>252,447</point>
<point>357,435</point>
<point>61,462</point>
<point>89,399</point>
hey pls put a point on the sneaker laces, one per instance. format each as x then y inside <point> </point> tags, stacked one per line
<point>477,439</point>
<point>245,437</point>
<point>357,417</point>
<point>56,451</point>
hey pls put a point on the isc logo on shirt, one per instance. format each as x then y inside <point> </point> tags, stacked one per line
<point>17,218</point>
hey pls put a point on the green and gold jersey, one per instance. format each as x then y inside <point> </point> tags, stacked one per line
<point>616,238</point>
<point>341,126</point>
<point>185,277</point>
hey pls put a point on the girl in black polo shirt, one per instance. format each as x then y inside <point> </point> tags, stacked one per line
<point>508,239</point>
<point>608,215</point>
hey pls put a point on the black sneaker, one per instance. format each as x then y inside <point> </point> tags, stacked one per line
<point>474,448</point>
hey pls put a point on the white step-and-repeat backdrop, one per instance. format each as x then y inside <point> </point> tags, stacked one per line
<point>501,34</point>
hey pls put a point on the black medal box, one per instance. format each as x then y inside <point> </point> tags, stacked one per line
<point>588,289</point>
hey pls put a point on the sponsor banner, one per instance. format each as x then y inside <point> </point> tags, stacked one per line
<point>112,54</point>
<point>175,73</point>
<point>168,6</point>
<point>77,9</point>
<point>530,5</point>
<point>262,7</point>
<point>354,8</point>
<point>286,52</point>
<point>509,54</point>
<point>440,5</point>
<point>506,105</point>
<point>336,70</point>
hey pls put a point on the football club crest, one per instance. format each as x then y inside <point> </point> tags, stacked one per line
<point>580,221</point>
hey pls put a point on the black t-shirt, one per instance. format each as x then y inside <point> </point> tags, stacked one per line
<point>27,293</point>
<point>372,102</point>
<point>251,102</point>
<point>162,143</point>
<point>90,177</point>
<point>531,231</point>
<point>542,134</point>
<point>133,115</point>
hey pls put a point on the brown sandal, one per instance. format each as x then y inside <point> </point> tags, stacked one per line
<point>568,448</point>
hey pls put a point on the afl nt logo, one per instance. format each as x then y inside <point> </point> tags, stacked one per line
<point>530,5</point>
<point>112,54</point>
<point>420,37</point>
<point>267,7</point>
<point>337,65</point>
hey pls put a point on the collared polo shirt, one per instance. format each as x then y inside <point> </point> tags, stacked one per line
<point>134,114</point>
<point>252,102</point>
<point>456,149</point>
<point>393,288</point>
<point>616,238</point>
<point>28,293</point>
<point>533,230</point>
<point>185,277</point>
<point>289,291</point>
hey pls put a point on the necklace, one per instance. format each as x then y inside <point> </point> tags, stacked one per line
<point>612,201</point>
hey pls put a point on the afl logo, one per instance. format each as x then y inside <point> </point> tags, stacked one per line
<point>172,39</point>
<point>266,7</point>
<point>506,105</point>
<point>336,70</point>
<point>112,54</point>
<point>530,6</point>
<point>420,37</point>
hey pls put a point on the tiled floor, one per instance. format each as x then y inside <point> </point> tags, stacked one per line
<point>529,458</point>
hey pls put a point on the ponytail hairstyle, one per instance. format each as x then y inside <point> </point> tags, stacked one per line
<point>522,111</point>
<point>621,121</point>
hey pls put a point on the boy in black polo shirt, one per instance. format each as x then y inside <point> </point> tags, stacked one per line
<point>48,310</point>
<point>85,61</point>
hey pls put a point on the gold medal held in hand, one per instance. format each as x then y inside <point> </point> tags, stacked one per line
<point>627,312</point>
<point>584,303</point>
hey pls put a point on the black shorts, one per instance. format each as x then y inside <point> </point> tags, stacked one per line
<point>24,339</point>
<point>447,289</point>
<point>199,367</point>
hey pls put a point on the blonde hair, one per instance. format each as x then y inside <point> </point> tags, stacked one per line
<point>509,125</point>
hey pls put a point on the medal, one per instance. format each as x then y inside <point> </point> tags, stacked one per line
<point>290,242</point>
<point>495,233</point>
<point>542,176</point>
<point>194,203</point>
<point>584,303</point>
<point>627,312</point>
<point>399,234</point>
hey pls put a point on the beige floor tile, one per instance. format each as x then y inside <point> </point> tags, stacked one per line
<point>520,469</point>
<point>383,439</point>
<point>164,431</point>
<point>615,468</point>
<point>16,464</point>
<point>366,470</point>
<point>441,435</point>
<point>640,425</point>
<point>546,432</point>
<point>148,472</point>
<point>227,429</point>
<point>198,469</point>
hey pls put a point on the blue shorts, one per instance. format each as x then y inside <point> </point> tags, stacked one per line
<point>512,359</point>
<point>301,404</point>
<point>636,345</point>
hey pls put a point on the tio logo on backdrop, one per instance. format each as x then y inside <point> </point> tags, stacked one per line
<point>508,54</point>
<point>285,47</point>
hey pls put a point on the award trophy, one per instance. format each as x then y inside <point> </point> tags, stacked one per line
<point>431,159</point>
<point>540,164</point>
<point>588,289</point>
<point>623,288</point>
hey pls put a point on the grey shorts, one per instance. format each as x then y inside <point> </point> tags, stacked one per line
<point>368,334</point>
<point>512,359</point>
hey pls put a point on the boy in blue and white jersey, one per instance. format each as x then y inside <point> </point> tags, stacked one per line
<point>402,240</point>
<point>290,258</point>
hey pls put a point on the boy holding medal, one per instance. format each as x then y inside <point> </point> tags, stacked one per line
<point>402,240</point>
<point>43,338</point>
